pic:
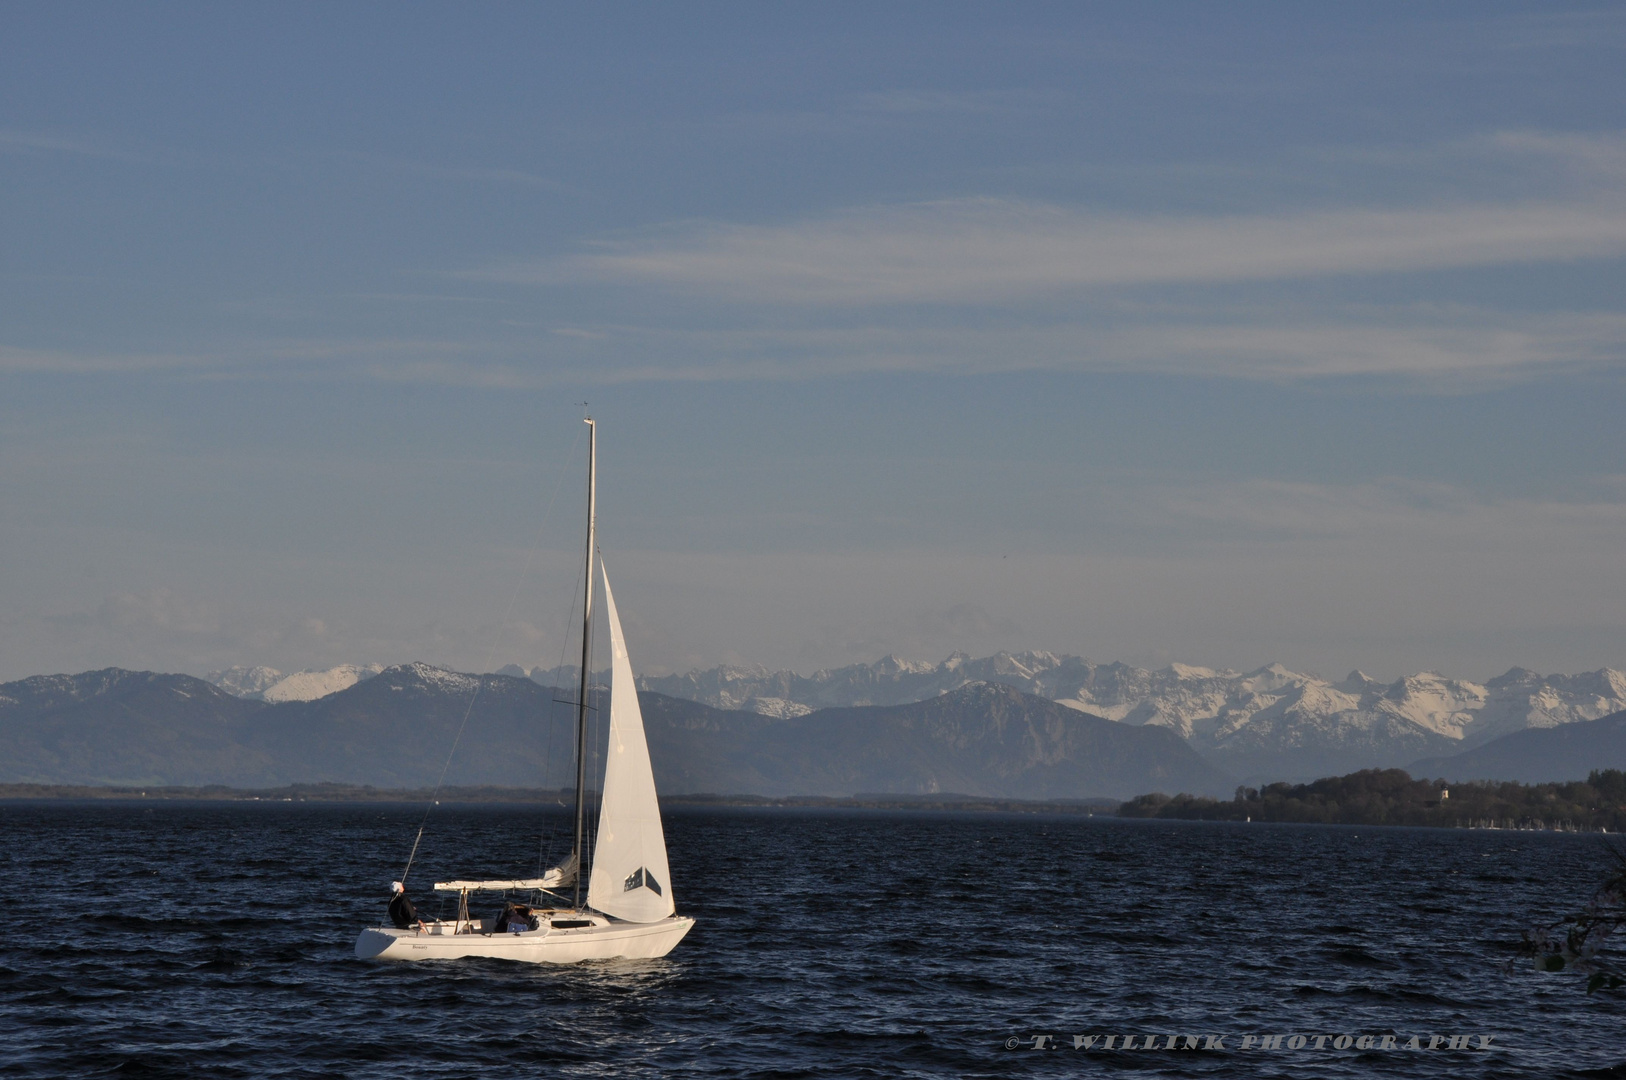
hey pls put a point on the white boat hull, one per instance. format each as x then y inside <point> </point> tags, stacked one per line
<point>606,941</point>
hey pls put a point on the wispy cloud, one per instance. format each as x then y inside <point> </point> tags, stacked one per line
<point>418,298</point>
<point>1600,28</point>
<point>990,250</point>
<point>1456,349</point>
<point>55,361</point>
<point>1465,354</point>
<point>1597,158</point>
<point>979,286</point>
<point>266,358</point>
<point>1476,343</point>
<point>478,173</point>
<point>1424,515</point>
<point>982,285</point>
<point>983,250</point>
<point>37,142</point>
<point>917,102</point>
<point>1393,574</point>
<point>1451,348</point>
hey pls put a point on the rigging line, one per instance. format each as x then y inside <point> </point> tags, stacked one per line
<point>491,653</point>
<point>598,726</point>
<point>547,757</point>
<point>570,628</point>
<point>564,648</point>
<point>547,767</point>
<point>590,842</point>
<point>554,689</point>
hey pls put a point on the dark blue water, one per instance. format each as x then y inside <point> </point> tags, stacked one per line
<point>215,940</point>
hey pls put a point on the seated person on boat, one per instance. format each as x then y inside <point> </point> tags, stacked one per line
<point>402,914</point>
<point>516,919</point>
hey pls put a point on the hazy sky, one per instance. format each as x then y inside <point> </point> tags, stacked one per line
<point>1225,334</point>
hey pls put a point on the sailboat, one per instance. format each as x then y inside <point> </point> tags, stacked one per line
<point>629,912</point>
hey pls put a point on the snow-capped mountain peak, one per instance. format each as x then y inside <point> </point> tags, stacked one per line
<point>269,684</point>
<point>245,682</point>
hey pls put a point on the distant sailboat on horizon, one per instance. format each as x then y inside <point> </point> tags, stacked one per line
<point>630,912</point>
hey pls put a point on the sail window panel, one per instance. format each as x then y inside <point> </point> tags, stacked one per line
<point>641,879</point>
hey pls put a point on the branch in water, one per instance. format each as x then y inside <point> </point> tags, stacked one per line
<point>1574,942</point>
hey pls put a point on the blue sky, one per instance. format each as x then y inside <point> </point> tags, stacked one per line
<point>1220,334</point>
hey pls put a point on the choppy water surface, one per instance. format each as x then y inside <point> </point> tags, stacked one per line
<point>216,940</point>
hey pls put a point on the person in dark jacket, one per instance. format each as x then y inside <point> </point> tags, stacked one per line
<point>402,913</point>
<point>516,919</point>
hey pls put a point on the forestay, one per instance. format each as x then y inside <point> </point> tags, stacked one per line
<point>629,879</point>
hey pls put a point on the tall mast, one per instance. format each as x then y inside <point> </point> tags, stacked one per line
<point>587,652</point>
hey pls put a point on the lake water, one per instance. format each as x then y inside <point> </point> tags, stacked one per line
<point>216,940</point>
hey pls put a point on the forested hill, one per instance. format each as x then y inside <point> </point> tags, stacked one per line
<point>1392,797</point>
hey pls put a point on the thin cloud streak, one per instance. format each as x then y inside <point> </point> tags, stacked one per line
<point>992,250</point>
<point>1553,30</point>
<point>1433,513</point>
<point>1467,348</point>
<point>1471,346</point>
<point>476,173</point>
<point>15,361</point>
<point>1456,348</point>
<point>914,102</point>
<point>33,142</point>
<point>1391,574</point>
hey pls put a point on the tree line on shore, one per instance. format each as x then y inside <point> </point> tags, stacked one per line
<point>1392,797</point>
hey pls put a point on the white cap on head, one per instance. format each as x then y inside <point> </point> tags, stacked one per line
<point>396,886</point>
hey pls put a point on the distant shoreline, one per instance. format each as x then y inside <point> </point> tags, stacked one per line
<point>1154,807</point>
<point>335,793</point>
<point>363,793</point>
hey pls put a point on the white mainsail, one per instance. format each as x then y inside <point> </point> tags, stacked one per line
<point>629,878</point>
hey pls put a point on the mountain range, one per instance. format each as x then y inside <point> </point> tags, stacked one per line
<point>1267,724</point>
<point>737,730</point>
<point>396,729</point>
<point>1537,755</point>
